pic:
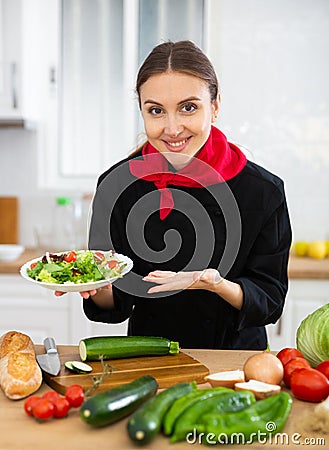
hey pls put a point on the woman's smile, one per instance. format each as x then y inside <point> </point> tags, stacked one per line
<point>177,146</point>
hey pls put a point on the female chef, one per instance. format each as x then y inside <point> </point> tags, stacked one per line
<point>208,231</point>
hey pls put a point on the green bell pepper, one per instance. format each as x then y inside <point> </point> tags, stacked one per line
<point>191,418</point>
<point>261,419</point>
<point>184,402</point>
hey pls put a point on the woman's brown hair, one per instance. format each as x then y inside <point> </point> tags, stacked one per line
<point>182,56</point>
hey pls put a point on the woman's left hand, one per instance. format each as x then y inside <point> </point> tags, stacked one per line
<point>173,281</point>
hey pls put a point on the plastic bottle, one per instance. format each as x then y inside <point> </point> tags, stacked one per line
<point>64,224</point>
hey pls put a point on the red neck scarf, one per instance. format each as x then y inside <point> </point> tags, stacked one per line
<point>217,161</point>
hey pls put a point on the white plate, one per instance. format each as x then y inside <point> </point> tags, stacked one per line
<point>72,287</point>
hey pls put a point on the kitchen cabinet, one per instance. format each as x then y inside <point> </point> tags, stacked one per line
<point>92,120</point>
<point>27,59</point>
<point>30,309</point>
<point>39,313</point>
<point>10,54</point>
<point>304,297</point>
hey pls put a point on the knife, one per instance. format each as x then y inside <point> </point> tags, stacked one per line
<point>49,362</point>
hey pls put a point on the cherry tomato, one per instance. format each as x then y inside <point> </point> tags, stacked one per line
<point>62,407</point>
<point>309,385</point>
<point>293,364</point>
<point>99,256</point>
<point>324,368</point>
<point>70,257</point>
<point>32,266</point>
<point>44,409</point>
<point>51,395</point>
<point>112,264</point>
<point>75,395</point>
<point>30,403</point>
<point>286,354</point>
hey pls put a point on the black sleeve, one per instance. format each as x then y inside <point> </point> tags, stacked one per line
<point>122,310</point>
<point>265,280</point>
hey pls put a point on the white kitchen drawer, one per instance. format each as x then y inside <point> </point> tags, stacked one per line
<point>37,312</point>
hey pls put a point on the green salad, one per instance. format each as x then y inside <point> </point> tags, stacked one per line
<point>76,267</point>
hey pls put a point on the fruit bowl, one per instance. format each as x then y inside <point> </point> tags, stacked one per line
<point>10,252</point>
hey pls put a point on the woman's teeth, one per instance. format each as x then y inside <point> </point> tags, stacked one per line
<point>177,144</point>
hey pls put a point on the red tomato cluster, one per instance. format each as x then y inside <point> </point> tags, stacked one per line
<point>306,383</point>
<point>51,404</point>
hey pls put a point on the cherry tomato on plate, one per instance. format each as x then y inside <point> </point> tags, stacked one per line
<point>32,266</point>
<point>287,354</point>
<point>309,385</point>
<point>75,395</point>
<point>44,409</point>
<point>51,395</point>
<point>324,368</point>
<point>99,256</point>
<point>70,257</point>
<point>113,263</point>
<point>30,403</point>
<point>62,407</point>
<point>293,364</point>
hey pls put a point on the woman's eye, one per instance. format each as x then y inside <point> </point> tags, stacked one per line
<point>155,110</point>
<point>189,107</point>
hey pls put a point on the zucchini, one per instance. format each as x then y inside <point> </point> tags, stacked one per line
<point>118,402</point>
<point>114,347</point>
<point>146,422</point>
<point>78,367</point>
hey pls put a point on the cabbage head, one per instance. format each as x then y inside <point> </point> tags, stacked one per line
<point>312,337</point>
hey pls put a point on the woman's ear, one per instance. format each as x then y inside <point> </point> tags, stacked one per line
<point>215,108</point>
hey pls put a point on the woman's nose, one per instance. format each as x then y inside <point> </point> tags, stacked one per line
<point>173,127</point>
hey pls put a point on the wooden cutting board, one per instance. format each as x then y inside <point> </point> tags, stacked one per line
<point>167,370</point>
<point>8,220</point>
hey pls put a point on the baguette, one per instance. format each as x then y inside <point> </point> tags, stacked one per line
<point>20,374</point>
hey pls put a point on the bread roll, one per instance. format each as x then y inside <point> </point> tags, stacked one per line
<point>20,374</point>
<point>226,378</point>
<point>258,388</point>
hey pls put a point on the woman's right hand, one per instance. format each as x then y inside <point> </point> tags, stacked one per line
<point>86,294</point>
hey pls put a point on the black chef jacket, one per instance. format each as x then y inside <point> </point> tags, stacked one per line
<point>123,221</point>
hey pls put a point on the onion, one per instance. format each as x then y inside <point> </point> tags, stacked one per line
<point>264,367</point>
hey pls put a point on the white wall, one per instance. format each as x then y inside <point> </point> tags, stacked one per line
<point>272,60</point>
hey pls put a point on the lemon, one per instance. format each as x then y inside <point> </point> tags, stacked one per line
<point>327,247</point>
<point>301,248</point>
<point>317,249</point>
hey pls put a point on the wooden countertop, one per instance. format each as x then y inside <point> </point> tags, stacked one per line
<point>13,267</point>
<point>20,432</point>
<point>299,268</point>
<point>308,268</point>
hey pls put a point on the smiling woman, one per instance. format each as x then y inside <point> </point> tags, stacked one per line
<point>207,230</point>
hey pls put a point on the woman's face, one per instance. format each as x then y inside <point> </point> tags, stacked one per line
<point>178,112</point>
